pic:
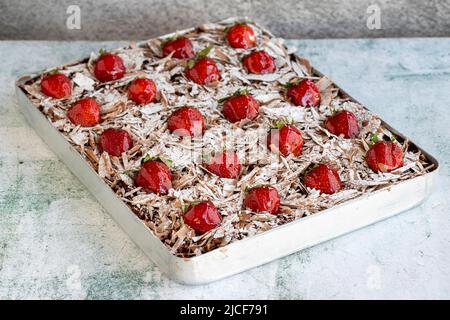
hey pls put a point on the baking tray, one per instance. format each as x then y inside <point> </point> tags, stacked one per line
<point>250,252</point>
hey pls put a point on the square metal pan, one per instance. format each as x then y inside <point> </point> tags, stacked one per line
<point>250,252</point>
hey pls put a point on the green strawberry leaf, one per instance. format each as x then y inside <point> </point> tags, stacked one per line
<point>204,52</point>
<point>146,158</point>
<point>374,138</point>
<point>167,162</point>
<point>53,72</point>
<point>241,92</point>
<point>222,100</point>
<point>191,64</point>
<point>166,40</point>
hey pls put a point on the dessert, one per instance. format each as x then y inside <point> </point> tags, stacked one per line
<point>212,168</point>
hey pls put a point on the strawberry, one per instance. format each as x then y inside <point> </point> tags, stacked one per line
<point>85,112</point>
<point>343,123</point>
<point>115,141</point>
<point>202,217</point>
<point>304,94</point>
<point>181,47</point>
<point>286,140</point>
<point>240,106</point>
<point>323,178</point>
<point>56,86</point>
<point>259,62</point>
<point>204,71</point>
<point>142,91</point>
<point>241,36</point>
<point>225,164</point>
<point>109,67</point>
<point>186,121</point>
<point>154,176</point>
<point>385,156</point>
<point>263,199</point>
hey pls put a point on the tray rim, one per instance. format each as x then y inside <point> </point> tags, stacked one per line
<point>21,80</point>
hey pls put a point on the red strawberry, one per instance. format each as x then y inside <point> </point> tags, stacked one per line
<point>241,36</point>
<point>240,106</point>
<point>323,178</point>
<point>202,217</point>
<point>343,123</point>
<point>109,67</point>
<point>181,48</point>
<point>384,156</point>
<point>204,71</point>
<point>154,176</point>
<point>304,94</point>
<point>56,86</point>
<point>263,199</point>
<point>225,164</point>
<point>85,112</point>
<point>142,91</point>
<point>259,62</point>
<point>115,141</point>
<point>186,121</point>
<point>285,140</point>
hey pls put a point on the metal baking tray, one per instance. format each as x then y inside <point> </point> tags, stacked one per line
<point>250,252</point>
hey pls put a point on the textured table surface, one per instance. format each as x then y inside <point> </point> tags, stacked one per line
<point>56,241</point>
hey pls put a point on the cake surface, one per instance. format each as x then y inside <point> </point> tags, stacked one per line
<point>147,124</point>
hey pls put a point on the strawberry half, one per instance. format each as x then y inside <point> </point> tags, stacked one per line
<point>142,91</point>
<point>186,121</point>
<point>109,67</point>
<point>263,199</point>
<point>241,36</point>
<point>240,106</point>
<point>323,178</point>
<point>202,217</point>
<point>225,164</point>
<point>154,176</point>
<point>181,47</point>
<point>259,62</point>
<point>343,123</point>
<point>85,112</point>
<point>115,141</point>
<point>56,86</point>
<point>286,140</point>
<point>304,94</point>
<point>384,156</point>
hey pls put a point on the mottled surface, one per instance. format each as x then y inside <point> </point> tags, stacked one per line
<point>143,19</point>
<point>57,242</point>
